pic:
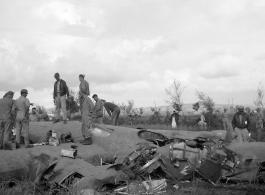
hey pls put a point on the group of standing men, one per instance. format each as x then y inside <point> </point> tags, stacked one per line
<point>19,109</point>
<point>241,124</point>
<point>91,113</point>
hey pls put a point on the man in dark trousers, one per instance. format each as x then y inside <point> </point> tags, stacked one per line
<point>6,111</point>
<point>113,111</point>
<point>59,95</point>
<point>240,124</point>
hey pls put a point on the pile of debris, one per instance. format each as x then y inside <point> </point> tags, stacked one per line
<point>152,166</point>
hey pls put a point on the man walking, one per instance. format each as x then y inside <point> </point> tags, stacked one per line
<point>113,111</point>
<point>98,110</point>
<point>83,90</point>
<point>240,124</point>
<point>88,107</point>
<point>59,93</point>
<point>6,111</point>
<point>22,105</point>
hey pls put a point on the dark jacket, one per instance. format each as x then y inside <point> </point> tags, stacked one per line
<point>63,89</point>
<point>244,123</point>
<point>176,115</point>
<point>7,108</point>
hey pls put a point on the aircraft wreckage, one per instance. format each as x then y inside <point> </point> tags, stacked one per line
<point>122,155</point>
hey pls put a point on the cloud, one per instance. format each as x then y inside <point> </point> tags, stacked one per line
<point>160,46</point>
<point>260,56</point>
<point>220,66</point>
<point>76,30</point>
<point>132,49</point>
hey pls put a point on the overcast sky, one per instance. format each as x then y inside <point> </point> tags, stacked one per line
<point>134,49</point>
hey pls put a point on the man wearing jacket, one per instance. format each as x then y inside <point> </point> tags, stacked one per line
<point>98,110</point>
<point>6,111</point>
<point>240,124</point>
<point>59,96</point>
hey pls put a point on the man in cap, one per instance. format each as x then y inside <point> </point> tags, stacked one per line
<point>98,110</point>
<point>240,124</point>
<point>22,105</point>
<point>113,111</point>
<point>6,111</point>
<point>59,96</point>
<point>83,90</point>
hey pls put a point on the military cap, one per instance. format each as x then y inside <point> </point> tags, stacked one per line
<point>240,107</point>
<point>10,93</point>
<point>24,91</point>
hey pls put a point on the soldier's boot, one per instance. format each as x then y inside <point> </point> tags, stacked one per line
<point>29,146</point>
<point>87,141</point>
<point>7,145</point>
<point>82,141</point>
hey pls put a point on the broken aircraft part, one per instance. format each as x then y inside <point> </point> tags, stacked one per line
<point>183,153</point>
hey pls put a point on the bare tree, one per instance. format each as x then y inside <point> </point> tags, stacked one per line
<point>260,94</point>
<point>127,109</point>
<point>175,92</point>
<point>41,109</point>
<point>205,100</point>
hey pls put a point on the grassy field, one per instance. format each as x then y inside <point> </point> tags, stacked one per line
<point>195,187</point>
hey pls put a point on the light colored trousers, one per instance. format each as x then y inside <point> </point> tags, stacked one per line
<point>115,116</point>
<point>19,124</point>
<point>98,120</point>
<point>60,104</point>
<point>5,128</point>
<point>86,122</point>
<point>242,135</point>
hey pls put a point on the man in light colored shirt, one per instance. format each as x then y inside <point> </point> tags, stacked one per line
<point>83,90</point>
<point>86,121</point>
<point>6,111</point>
<point>225,119</point>
<point>98,110</point>
<point>22,105</point>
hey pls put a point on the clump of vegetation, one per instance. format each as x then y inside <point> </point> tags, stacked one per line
<point>155,118</point>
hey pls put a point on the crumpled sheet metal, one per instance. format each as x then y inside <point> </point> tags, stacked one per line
<point>18,165</point>
<point>251,155</point>
<point>100,131</point>
<point>148,187</point>
<point>94,176</point>
<point>214,135</point>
